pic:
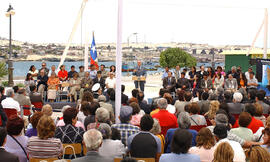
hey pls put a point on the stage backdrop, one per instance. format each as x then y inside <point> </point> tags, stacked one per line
<point>263,71</point>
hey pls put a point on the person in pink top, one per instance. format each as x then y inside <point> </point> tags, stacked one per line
<point>136,114</point>
<point>204,148</point>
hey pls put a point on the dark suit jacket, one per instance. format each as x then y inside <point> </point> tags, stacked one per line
<point>101,82</point>
<point>209,84</point>
<point>92,156</point>
<point>7,157</point>
<point>183,82</point>
<point>43,80</point>
<point>166,83</point>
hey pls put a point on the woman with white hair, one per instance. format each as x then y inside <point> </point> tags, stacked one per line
<point>110,148</point>
<point>156,130</point>
<point>92,140</point>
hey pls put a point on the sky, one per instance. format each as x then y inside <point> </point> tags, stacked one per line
<point>216,22</point>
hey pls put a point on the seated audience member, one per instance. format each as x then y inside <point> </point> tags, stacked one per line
<point>71,72</point>
<point>15,138</point>
<point>93,141</point>
<point>156,130</point>
<point>5,155</point>
<point>137,114</point>
<point>124,98</point>
<point>62,123</point>
<point>44,145</point>
<point>62,74</point>
<point>254,124</point>
<point>22,98</point>
<point>28,82</point>
<point>143,103</point>
<point>34,121</point>
<point>144,144</point>
<point>2,91</point>
<point>252,82</point>
<point>34,95</point>
<point>15,89</point>
<point>126,129</point>
<point>170,107</point>
<point>183,83</point>
<point>110,148</point>
<point>86,83</point>
<point>53,84</point>
<point>260,98</point>
<point>224,107</point>
<point>74,85</point>
<point>169,82</point>
<point>236,107</point>
<point>102,116</point>
<point>257,153</point>
<point>244,132</point>
<point>259,135</point>
<point>251,96</point>
<point>204,103</point>
<point>84,111</point>
<point>179,106</point>
<point>266,138</point>
<point>220,132</point>
<point>206,83</point>
<point>213,108</point>
<point>181,142</point>
<point>42,80</point>
<point>184,123</point>
<point>3,115</point>
<point>228,96</point>
<point>223,152</point>
<point>205,145</point>
<point>9,102</point>
<point>116,134</point>
<point>166,119</point>
<point>112,98</point>
<point>259,113</point>
<point>47,110</point>
<point>91,115</point>
<point>110,81</point>
<point>222,119</point>
<point>230,84</point>
<point>195,118</point>
<point>102,102</point>
<point>69,133</point>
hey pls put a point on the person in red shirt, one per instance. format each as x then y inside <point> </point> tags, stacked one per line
<point>62,74</point>
<point>255,124</point>
<point>166,119</point>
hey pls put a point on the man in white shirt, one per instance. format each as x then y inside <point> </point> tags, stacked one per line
<point>110,81</point>
<point>9,102</point>
<point>247,73</point>
<point>220,132</point>
<point>252,82</point>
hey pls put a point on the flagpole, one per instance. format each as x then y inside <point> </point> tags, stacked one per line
<point>265,34</point>
<point>86,53</point>
<point>118,61</point>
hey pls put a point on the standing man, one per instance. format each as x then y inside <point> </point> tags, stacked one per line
<point>93,71</point>
<point>139,72</point>
<point>177,72</point>
<point>72,71</point>
<point>81,72</point>
<point>104,73</point>
<point>44,67</point>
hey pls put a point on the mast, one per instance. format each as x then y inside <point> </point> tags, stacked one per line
<point>77,21</point>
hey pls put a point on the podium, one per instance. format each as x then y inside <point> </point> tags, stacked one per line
<point>138,78</point>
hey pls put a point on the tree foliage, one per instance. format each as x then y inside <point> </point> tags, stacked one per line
<point>3,69</point>
<point>176,56</point>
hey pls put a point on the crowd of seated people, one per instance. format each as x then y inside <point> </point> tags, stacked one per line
<point>213,124</point>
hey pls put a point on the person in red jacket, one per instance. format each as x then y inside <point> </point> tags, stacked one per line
<point>166,119</point>
<point>62,74</point>
<point>255,124</point>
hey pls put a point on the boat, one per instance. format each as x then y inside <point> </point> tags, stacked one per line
<point>125,68</point>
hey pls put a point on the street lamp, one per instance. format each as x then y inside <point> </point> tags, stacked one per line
<point>10,13</point>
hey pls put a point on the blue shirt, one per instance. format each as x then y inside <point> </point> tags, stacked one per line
<point>93,74</point>
<point>172,157</point>
<point>169,137</point>
<point>165,74</point>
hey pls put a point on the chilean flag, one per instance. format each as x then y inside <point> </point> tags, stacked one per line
<point>93,53</point>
